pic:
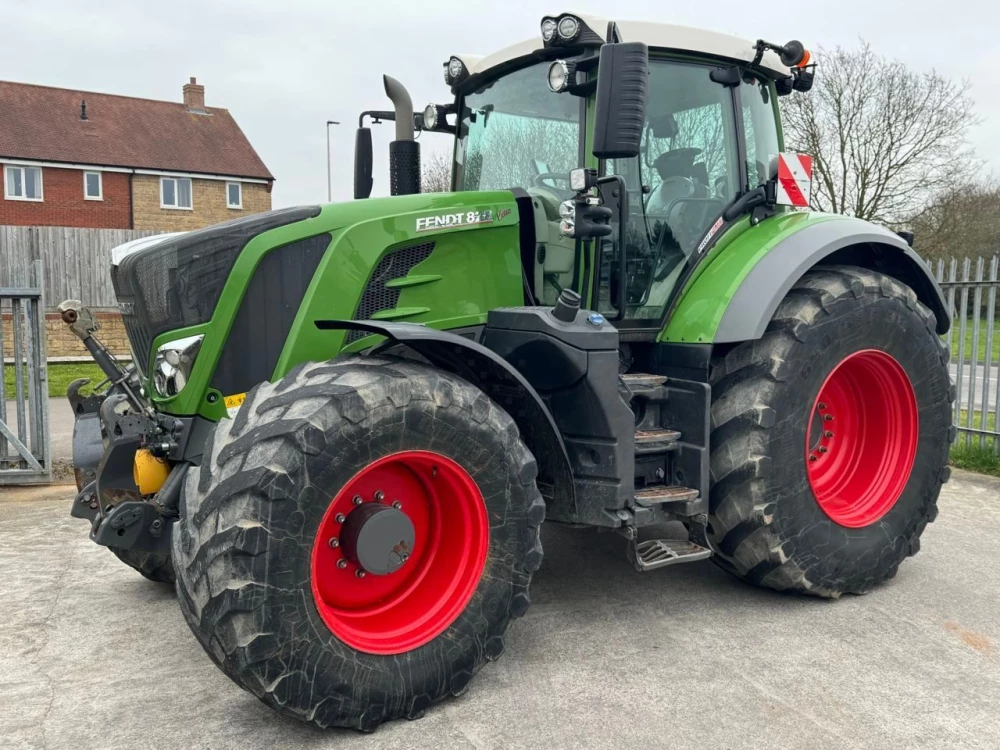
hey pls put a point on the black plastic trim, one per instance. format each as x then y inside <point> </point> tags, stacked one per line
<point>266,314</point>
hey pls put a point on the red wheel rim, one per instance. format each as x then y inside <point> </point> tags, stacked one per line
<point>862,438</point>
<point>390,614</point>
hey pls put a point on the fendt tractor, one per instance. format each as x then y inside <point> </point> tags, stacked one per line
<point>344,425</point>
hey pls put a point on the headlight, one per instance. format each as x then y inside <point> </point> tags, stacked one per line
<point>567,210</point>
<point>548,29</point>
<point>173,364</point>
<point>455,67</point>
<point>559,73</point>
<point>568,27</point>
<point>455,71</point>
<point>567,227</point>
<point>430,117</point>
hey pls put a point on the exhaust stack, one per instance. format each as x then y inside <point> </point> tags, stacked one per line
<point>404,152</point>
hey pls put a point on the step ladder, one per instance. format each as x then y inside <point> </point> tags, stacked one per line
<point>652,554</point>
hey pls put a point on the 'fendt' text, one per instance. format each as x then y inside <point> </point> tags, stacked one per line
<point>427,223</point>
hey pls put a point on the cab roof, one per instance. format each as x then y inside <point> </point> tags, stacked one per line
<point>660,36</point>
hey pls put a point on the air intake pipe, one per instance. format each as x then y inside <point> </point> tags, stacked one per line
<point>404,152</point>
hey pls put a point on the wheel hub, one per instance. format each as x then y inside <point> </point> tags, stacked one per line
<point>377,537</point>
<point>861,440</point>
<point>399,552</point>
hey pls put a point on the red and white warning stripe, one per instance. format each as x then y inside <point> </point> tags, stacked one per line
<point>794,179</point>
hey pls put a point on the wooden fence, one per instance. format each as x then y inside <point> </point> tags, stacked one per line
<point>76,260</point>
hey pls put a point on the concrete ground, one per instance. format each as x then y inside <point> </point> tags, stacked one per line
<point>93,656</point>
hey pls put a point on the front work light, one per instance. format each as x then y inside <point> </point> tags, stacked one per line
<point>173,364</point>
<point>430,117</point>
<point>548,29</point>
<point>455,71</point>
<point>559,76</point>
<point>568,28</point>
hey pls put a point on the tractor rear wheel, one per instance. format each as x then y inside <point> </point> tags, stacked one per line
<point>358,539</point>
<point>830,437</point>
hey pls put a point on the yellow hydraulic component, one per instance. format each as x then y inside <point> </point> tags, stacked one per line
<point>149,472</point>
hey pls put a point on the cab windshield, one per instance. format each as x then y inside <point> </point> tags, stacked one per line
<point>515,132</point>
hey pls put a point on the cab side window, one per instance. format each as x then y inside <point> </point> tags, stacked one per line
<point>686,174</point>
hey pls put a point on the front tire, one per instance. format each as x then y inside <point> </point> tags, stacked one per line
<point>274,576</point>
<point>830,437</point>
<point>153,567</point>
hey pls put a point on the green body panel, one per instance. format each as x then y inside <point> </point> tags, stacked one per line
<point>472,269</point>
<point>708,292</point>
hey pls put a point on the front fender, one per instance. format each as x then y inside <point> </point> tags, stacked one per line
<point>501,382</point>
<point>736,296</point>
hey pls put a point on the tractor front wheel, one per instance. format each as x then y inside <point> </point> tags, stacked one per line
<point>358,539</point>
<point>830,437</point>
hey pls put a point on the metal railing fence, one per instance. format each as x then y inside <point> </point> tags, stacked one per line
<point>970,287</point>
<point>24,421</point>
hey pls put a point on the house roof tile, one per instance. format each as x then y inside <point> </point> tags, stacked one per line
<point>43,123</point>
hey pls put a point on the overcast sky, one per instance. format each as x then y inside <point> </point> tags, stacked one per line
<point>284,68</point>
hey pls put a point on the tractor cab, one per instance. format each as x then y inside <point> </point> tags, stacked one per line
<point>705,136</point>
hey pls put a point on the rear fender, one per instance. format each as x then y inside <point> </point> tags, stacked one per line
<point>502,383</point>
<point>738,293</point>
<point>842,241</point>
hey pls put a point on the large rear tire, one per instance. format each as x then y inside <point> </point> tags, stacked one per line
<point>830,437</point>
<point>274,575</point>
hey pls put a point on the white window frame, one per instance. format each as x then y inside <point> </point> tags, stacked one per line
<point>174,206</point>
<point>7,182</point>
<point>239,205</point>
<point>100,186</point>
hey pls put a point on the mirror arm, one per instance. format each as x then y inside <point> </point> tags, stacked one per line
<point>377,116</point>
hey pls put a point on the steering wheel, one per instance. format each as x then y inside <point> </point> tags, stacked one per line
<point>539,179</point>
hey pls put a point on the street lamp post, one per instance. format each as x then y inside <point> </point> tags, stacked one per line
<point>329,183</point>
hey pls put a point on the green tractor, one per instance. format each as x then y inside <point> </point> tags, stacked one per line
<point>345,424</point>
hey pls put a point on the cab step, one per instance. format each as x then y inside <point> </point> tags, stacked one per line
<point>641,381</point>
<point>657,494</point>
<point>659,553</point>
<point>648,442</point>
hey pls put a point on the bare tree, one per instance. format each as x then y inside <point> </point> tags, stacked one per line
<point>962,221</point>
<point>884,138</point>
<point>435,174</point>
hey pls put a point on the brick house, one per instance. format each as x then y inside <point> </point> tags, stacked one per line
<point>81,159</point>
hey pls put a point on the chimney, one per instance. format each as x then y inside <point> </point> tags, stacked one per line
<point>194,96</point>
<point>83,109</point>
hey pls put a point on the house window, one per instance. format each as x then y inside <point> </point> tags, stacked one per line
<point>92,188</point>
<point>234,195</point>
<point>175,192</point>
<point>23,184</point>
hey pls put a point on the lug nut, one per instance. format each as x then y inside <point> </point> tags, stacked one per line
<point>397,505</point>
<point>339,518</point>
<point>824,449</point>
<point>828,417</point>
<point>358,500</point>
<point>828,434</point>
<point>359,573</point>
<point>334,542</point>
<point>812,458</point>
<point>822,405</point>
<point>341,563</point>
<point>379,496</point>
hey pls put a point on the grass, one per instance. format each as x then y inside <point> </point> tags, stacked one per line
<point>61,374</point>
<point>984,460</point>
<point>981,353</point>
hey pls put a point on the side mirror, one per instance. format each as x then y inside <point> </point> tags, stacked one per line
<point>363,163</point>
<point>622,77</point>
